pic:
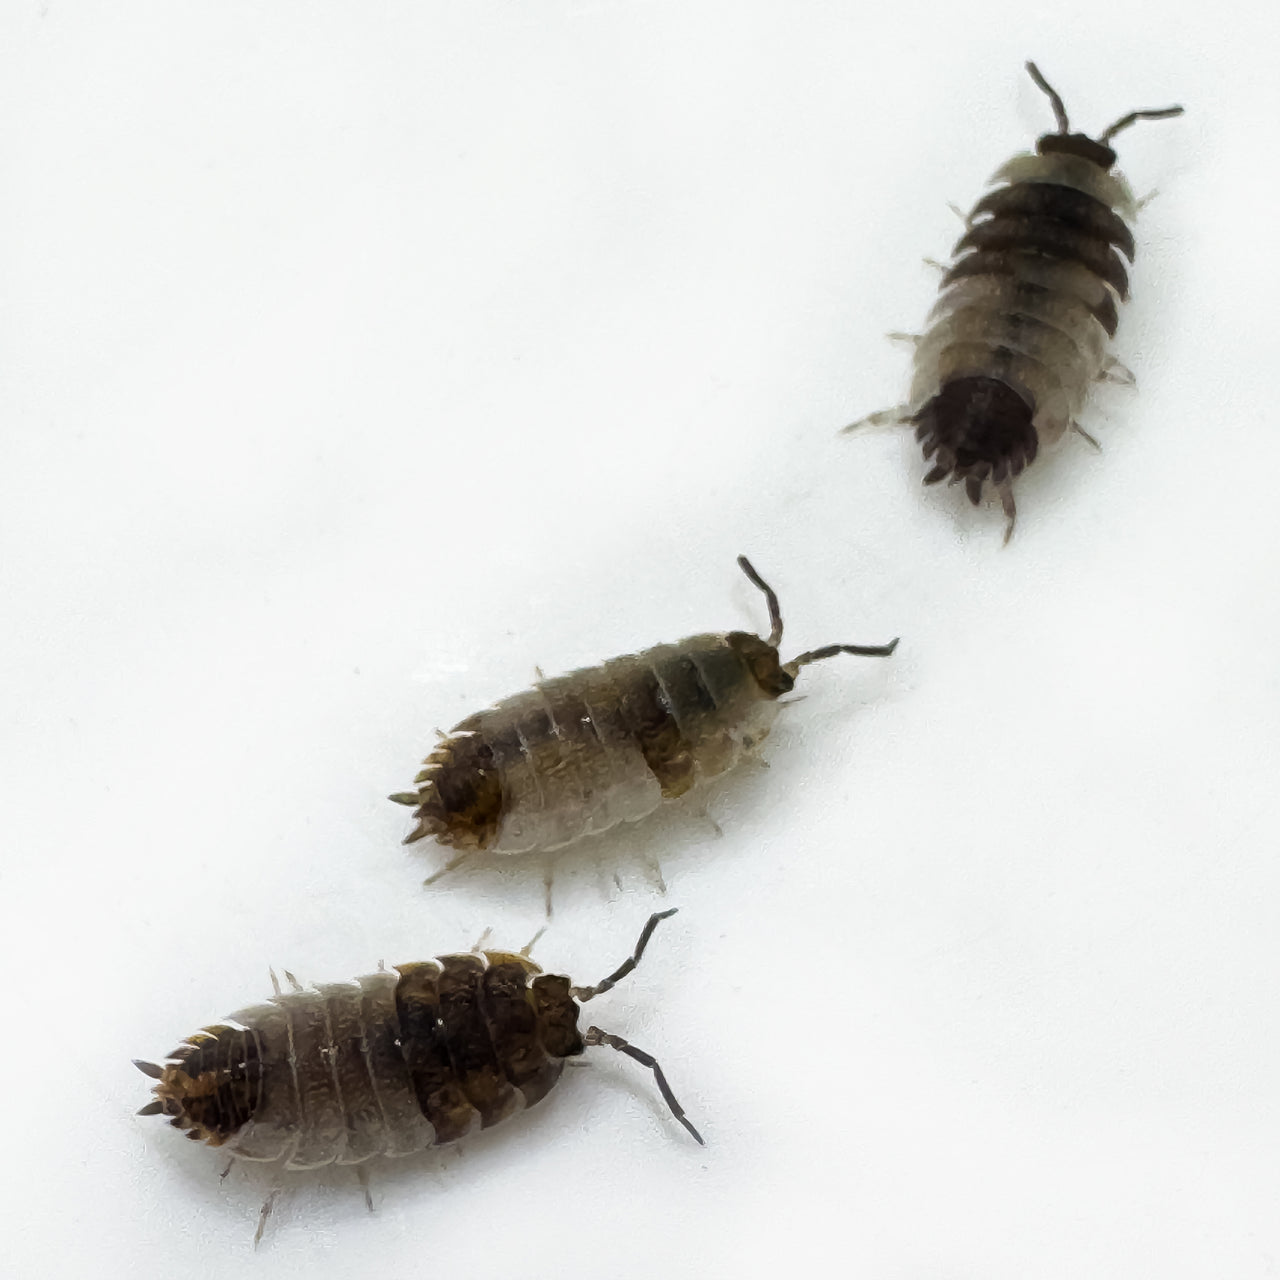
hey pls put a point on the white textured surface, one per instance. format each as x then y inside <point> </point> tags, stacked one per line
<point>354,359</point>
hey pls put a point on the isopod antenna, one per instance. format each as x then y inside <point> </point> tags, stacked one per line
<point>1160,113</point>
<point>1055,99</point>
<point>1060,112</point>
<point>607,984</point>
<point>813,655</point>
<point>771,599</point>
<point>595,1036</point>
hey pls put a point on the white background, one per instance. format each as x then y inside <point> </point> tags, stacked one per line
<point>355,359</point>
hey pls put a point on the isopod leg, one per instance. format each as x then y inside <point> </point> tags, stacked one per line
<point>656,867</point>
<point>1120,374</point>
<point>595,1036</point>
<point>1080,431</point>
<point>587,993</point>
<point>705,814</point>
<point>1010,509</point>
<point>362,1177</point>
<point>895,417</point>
<point>267,1206</point>
<point>452,865</point>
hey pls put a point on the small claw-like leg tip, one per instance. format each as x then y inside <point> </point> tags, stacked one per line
<point>148,1068</point>
<point>153,1108</point>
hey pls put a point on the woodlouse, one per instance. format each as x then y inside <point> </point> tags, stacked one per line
<point>395,1062</point>
<point>580,753</point>
<point>1019,332</point>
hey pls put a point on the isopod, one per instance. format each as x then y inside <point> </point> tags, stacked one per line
<point>1019,332</point>
<point>580,753</point>
<point>397,1061</point>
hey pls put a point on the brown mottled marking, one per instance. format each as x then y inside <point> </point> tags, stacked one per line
<point>466,1031</point>
<point>426,1051</point>
<point>510,1011</point>
<point>666,751</point>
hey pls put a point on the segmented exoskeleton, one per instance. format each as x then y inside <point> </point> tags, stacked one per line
<point>399,1060</point>
<point>580,753</point>
<point>1019,333</point>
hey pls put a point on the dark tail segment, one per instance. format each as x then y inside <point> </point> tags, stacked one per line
<point>211,1085</point>
<point>977,428</point>
<point>459,800</point>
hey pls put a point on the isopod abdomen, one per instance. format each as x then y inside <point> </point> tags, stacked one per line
<point>580,753</point>
<point>1019,332</point>
<point>395,1062</point>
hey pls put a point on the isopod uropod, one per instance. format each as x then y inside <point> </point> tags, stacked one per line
<point>393,1063</point>
<point>1020,330</point>
<point>582,752</point>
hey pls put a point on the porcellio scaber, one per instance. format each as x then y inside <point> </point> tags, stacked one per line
<point>583,752</point>
<point>1019,332</point>
<point>395,1062</point>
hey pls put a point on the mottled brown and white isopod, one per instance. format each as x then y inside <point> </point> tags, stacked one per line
<point>1019,333</point>
<point>397,1061</point>
<point>580,753</point>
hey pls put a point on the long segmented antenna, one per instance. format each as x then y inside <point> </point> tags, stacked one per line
<point>830,651</point>
<point>595,1036</point>
<point>1162,113</point>
<point>771,598</point>
<point>607,984</point>
<point>1059,111</point>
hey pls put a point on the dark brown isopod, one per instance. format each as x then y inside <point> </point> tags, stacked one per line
<point>580,753</point>
<point>1019,332</point>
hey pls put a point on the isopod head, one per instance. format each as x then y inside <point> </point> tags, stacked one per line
<point>1096,150</point>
